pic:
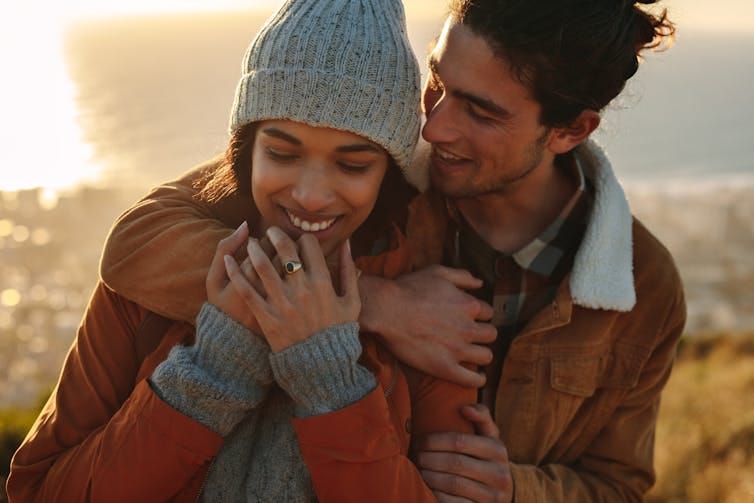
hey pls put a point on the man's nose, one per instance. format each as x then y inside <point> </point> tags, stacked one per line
<point>442,122</point>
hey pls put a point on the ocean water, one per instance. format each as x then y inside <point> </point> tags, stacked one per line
<point>152,97</point>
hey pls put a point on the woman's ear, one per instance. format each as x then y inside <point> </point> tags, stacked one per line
<point>564,139</point>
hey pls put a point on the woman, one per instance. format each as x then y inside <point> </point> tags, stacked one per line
<point>275,396</point>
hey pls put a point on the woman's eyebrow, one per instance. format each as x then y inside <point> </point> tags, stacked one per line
<point>276,133</point>
<point>358,147</point>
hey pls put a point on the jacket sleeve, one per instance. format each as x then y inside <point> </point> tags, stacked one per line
<point>102,436</point>
<point>158,251</point>
<point>617,465</point>
<point>219,380</point>
<point>359,452</point>
<point>354,454</point>
<point>352,450</point>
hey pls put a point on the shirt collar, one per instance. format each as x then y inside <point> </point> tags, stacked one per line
<point>538,255</point>
<point>531,256</point>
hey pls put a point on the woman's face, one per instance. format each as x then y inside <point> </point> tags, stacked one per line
<point>317,180</point>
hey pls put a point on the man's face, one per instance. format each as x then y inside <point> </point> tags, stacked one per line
<point>483,124</point>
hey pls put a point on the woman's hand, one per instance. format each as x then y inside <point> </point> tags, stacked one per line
<point>297,304</point>
<point>220,292</point>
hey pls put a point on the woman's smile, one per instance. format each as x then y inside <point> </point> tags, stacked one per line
<point>309,224</point>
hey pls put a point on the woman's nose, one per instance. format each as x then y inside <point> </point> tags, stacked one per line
<point>313,191</point>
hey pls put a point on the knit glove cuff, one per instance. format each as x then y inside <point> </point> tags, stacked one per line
<point>322,374</point>
<point>220,378</point>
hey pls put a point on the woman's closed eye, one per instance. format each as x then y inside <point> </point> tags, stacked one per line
<point>353,167</point>
<point>280,155</point>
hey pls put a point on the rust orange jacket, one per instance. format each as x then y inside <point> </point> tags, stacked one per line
<point>105,436</point>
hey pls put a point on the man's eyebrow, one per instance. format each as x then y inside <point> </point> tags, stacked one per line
<point>483,103</point>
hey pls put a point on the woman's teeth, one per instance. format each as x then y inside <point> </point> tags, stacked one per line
<point>310,226</point>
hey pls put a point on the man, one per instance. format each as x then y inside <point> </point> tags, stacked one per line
<point>586,306</point>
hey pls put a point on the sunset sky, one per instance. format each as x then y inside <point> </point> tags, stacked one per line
<point>31,51</point>
<point>724,14</point>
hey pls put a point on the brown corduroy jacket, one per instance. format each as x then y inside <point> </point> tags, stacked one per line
<point>579,395</point>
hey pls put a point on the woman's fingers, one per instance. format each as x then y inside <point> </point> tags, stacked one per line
<point>217,277</point>
<point>241,285</point>
<point>269,276</point>
<point>349,277</point>
<point>286,249</point>
<point>314,260</point>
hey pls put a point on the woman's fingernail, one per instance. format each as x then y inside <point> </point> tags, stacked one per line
<point>228,262</point>
<point>241,227</point>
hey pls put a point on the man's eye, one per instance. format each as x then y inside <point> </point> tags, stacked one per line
<point>477,116</point>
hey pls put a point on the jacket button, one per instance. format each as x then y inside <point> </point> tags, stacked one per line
<point>408,425</point>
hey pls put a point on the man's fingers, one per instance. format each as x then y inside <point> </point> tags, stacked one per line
<point>461,278</point>
<point>450,498</point>
<point>459,487</point>
<point>483,333</point>
<point>485,312</point>
<point>476,354</point>
<point>478,446</point>
<point>465,377</point>
<point>480,415</point>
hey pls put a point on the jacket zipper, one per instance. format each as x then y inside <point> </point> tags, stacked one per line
<point>393,380</point>
<point>204,482</point>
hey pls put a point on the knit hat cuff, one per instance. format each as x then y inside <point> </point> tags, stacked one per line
<point>381,115</point>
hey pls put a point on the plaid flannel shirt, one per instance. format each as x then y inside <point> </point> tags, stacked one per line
<point>519,285</point>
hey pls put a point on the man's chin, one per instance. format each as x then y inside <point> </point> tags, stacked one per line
<point>445,186</point>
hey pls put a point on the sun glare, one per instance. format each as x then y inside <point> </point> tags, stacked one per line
<point>42,140</point>
<point>42,144</point>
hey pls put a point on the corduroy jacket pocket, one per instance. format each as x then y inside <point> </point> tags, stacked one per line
<point>582,376</point>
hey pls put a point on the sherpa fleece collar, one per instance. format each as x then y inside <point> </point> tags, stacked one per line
<point>602,276</point>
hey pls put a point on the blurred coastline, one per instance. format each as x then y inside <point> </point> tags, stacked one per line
<point>152,96</point>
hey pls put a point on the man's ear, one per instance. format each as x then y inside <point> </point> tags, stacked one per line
<point>564,139</point>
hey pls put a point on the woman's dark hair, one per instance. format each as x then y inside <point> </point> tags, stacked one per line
<point>573,55</point>
<point>232,176</point>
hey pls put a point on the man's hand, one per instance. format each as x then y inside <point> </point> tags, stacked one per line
<point>459,467</point>
<point>429,322</point>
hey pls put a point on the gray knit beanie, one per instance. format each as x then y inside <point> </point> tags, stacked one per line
<point>343,64</point>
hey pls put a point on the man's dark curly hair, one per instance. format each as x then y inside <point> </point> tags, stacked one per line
<point>573,55</point>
